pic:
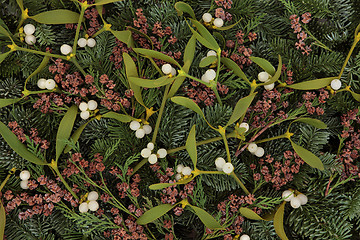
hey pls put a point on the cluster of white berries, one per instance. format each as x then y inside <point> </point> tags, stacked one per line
<point>254,149</point>
<point>182,171</point>
<point>24,176</point>
<point>90,42</point>
<point>29,30</point>
<point>152,157</point>
<point>295,201</point>
<point>207,18</point>
<point>140,130</point>
<point>335,84</point>
<point>222,165</point>
<point>46,84</point>
<point>85,107</point>
<point>91,203</point>
<point>167,69</point>
<point>244,237</point>
<point>265,77</point>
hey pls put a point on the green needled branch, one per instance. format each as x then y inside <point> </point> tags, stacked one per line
<point>240,183</point>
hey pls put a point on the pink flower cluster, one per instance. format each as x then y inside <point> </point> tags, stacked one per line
<point>220,12</point>
<point>309,97</point>
<point>20,134</point>
<point>199,93</point>
<point>301,35</point>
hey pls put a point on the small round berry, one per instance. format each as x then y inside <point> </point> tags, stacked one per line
<point>252,147</point>
<point>24,184</point>
<point>152,159</point>
<point>259,152</point>
<point>145,153</point>
<point>206,17</point>
<point>147,129</point>
<point>162,152</point>
<point>65,49</point>
<point>42,83</point>
<point>211,53</point>
<point>150,146</point>
<point>83,106</point>
<point>179,168</point>
<point>244,125</point>
<point>219,162</point>
<point>336,84</point>
<point>83,207</point>
<point>186,171</point>
<point>269,86</point>
<point>178,177</point>
<point>218,22</point>
<point>30,39</point>
<point>228,168</point>
<point>244,237</point>
<point>93,196</point>
<point>50,84</point>
<point>81,42</point>
<point>287,195</point>
<point>29,29</point>
<point>93,206</point>
<point>91,42</point>
<point>205,79</point>
<point>295,202</point>
<point>85,115</point>
<point>173,72</point>
<point>140,133</point>
<point>303,198</point>
<point>24,175</point>
<point>263,76</point>
<point>134,125</point>
<point>166,69</point>
<point>92,104</point>
<point>210,74</point>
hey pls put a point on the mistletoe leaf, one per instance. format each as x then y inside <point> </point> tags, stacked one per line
<point>59,16</point>
<point>208,220</point>
<point>264,64</point>
<point>191,146</point>
<point>234,67</point>
<point>313,122</point>
<point>240,108</point>
<point>162,81</point>
<point>182,7</point>
<point>125,37</point>
<point>6,102</point>
<point>154,213</point>
<point>279,222</point>
<point>207,61</point>
<point>157,55</point>
<point>64,130</point>
<point>308,156</point>
<point>312,84</point>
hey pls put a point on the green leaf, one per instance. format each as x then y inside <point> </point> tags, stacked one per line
<point>208,220</point>
<point>264,64</point>
<point>221,38</point>
<point>182,7</point>
<point>191,146</point>
<point>159,186</point>
<point>240,109</point>
<point>356,96</point>
<point>2,220</point>
<point>187,102</point>
<point>201,39</point>
<point>4,31</point>
<point>154,213</point>
<point>313,122</point>
<point>3,56</point>
<point>189,53</point>
<point>17,146</point>
<point>42,65</point>
<point>276,75</point>
<point>207,61</point>
<point>235,68</point>
<point>312,84</point>
<point>64,130</point>
<point>103,2</point>
<point>279,222</point>
<point>227,27</point>
<point>142,34</point>
<point>205,34</point>
<point>6,102</point>
<point>175,86</point>
<point>59,16</point>
<point>76,135</point>
<point>250,214</point>
<point>162,81</point>
<point>21,4</point>
<point>120,117</point>
<point>308,156</point>
<point>157,55</point>
<point>125,37</point>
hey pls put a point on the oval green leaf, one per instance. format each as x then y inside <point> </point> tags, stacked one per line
<point>205,34</point>
<point>279,222</point>
<point>4,31</point>
<point>125,37</point>
<point>250,214</point>
<point>187,102</point>
<point>157,55</point>
<point>240,109</point>
<point>3,56</point>
<point>220,38</point>
<point>191,146</point>
<point>64,130</point>
<point>356,96</point>
<point>103,2</point>
<point>313,122</point>
<point>120,117</point>
<point>264,64</point>
<point>182,7</point>
<point>59,16</point>
<point>235,68</point>
<point>189,53</point>
<point>207,61</point>
<point>42,65</point>
<point>227,27</point>
<point>312,84</point>
<point>154,213</point>
<point>159,186</point>
<point>308,156</point>
<point>76,135</point>
<point>208,220</point>
<point>17,146</point>
<point>2,220</point>
<point>201,39</point>
<point>162,81</point>
<point>6,102</point>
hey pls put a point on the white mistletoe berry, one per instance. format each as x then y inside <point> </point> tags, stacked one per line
<point>140,133</point>
<point>29,29</point>
<point>166,68</point>
<point>186,171</point>
<point>24,175</point>
<point>91,42</point>
<point>287,195</point>
<point>269,86</point>
<point>134,125</point>
<point>210,74</point>
<point>162,153</point>
<point>218,22</point>
<point>30,39</point>
<point>150,146</point>
<point>92,105</point>
<point>228,168</point>
<point>179,168</point>
<point>244,125</point>
<point>147,129</point>
<point>152,159</point>
<point>178,177</point>
<point>83,106</point>
<point>259,152</point>
<point>41,83</point>
<point>219,162</point>
<point>206,17</point>
<point>145,153</point>
<point>81,42</point>
<point>93,205</point>
<point>85,115</point>
<point>24,184</point>
<point>211,53</point>
<point>173,72</point>
<point>65,49</point>
<point>93,196</point>
<point>335,84</point>
<point>83,207</point>
<point>50,84</point>
<point>244,237</point>
<point>295,202</point>
<point>303,198</point>
<point>252,147</point>
<point>205,79</point>
<point>263,76</point>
